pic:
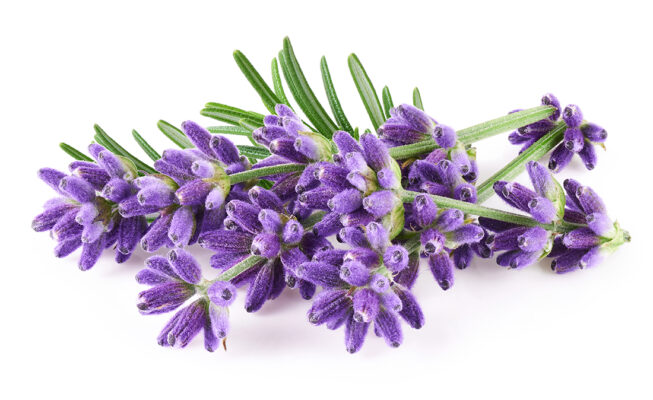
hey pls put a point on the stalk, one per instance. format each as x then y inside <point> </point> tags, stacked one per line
<point>482,211</point>
<point>517,165</point>
<point>478,132</point>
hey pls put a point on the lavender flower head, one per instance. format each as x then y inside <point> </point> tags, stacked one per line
<point>264,226</point>
<point>579,138</point>
<point>368,284</point>
<point>174,281</point>
<point>86,213</point>
<point>586,246</point>
<point>361,185</point>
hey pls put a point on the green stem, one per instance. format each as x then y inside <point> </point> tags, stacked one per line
<point>516,166</point>
<point>239,268</point>
<point>482,211</point>
<point>477,132</point>
<point>265,171</point>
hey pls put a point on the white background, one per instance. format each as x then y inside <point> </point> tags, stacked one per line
<point>495,334</point>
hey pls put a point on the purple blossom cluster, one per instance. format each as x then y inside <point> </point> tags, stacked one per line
<point>381,212</point>
<point>580,136</point>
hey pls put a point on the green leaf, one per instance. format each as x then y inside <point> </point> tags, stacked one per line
<point>74,153</point>
<point>149,150</point>
<point>265,184</point>
<point>417,99</point>
<point>268,97</point>
<point>249,124</point>
<point>303,93</point>
<point>387,101</point>
<point>334,102</point>
<point>175,134</point>
<point>233,130</point>
<point>116,148</point>
<point>366,91</point>
<point>278,83</point>
<point>229,114</point>
<point>253,152</point>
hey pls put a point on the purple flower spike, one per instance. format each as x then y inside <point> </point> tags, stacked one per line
<point>164,298</point>
<point>425,210</point>
<point>130,231</point>
<point>572,116</point>
<point>389,327</point>
<point>355,273</point>
<point>91,254</point>
<point>329,305</point>
<point>533,239</point>
<point>469,233</point>
<point>191,321</point>
<point>588,156</point>
<point>581,238</point>
<point>377,236</point>
<point>411,312</point>
<point>222,293</point>
<point>449,220</point>
<point>185,266</point>
<point>77,188</point>
<point>550,100</point>
<point>574,140</point>
<point>441,266</point>
<point>590,201</point>
<point>379,283</point>
<point>224,150</point>
<point>200,137</point>
<point>395,258</point>
<point>117,190</point>
<point>387,179</point>
<point>366,305</point>
<point>346,201</point>
<point>355,333</point>
<point>182,226</point>
<point>560,157</point>
<point>266,245</point>
<point>293,232</point>
<point>542,209</point>
<point>346,143</point>
<point>391,301</point>
<point>52,177</point>
<point>594,133</point>
<point>445,136</point>
<point>600,224</point>
<point>320,273</point>
<point>260,288</point>
<point>416,118</point>
<point>193,192</point>
<point>376,153</point>
<point>157,234</point>
<point>380,203</point>
<point>270,220</point>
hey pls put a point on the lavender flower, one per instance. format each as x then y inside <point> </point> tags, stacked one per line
<point>446,239</point>
<point>264,227</point>
<point>360,186</point>
<point>370,283</point>
<point>86,215</point>
<point>586,246</point>
<point>579,137</point>
<point>176,280</point>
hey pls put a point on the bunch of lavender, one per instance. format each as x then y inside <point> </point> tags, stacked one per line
<point>272,211</point>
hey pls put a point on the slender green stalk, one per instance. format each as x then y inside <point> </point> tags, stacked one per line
<point>74,153</point>
<point>239,268</point>
<point>517,165</point>
<point>478,132</point>
<point>265,171</point>
<point>482,211</point>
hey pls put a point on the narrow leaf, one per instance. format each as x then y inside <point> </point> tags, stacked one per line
<point>303,93</point>
<point>232,130</point>
<point>229,114</point>
<point>387,101</point>
<point>278,83</point>
<point>118,149</point>
<point>253,152</point>
<point>334,102</point>
<point>268,97</point>
<point>417,99</point>
<point>175,134</point>
<point>149,150</point>
<point>74,153</point>
<point>249,124</point>
<point>366,91</point>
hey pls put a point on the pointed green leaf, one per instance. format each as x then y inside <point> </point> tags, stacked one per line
<point>387,101</point>
<point>334,102</point>
<point>118,149</point>
<point>253,152</point>
<point>366,91</point>
<point>74,153</point>
<point>232,130</point>
<point>417,99</point>
<point>229,114</point>
<point>268,97</point>
<point>303,93</point>
<point>249,124</point>
<point>175,134</point>
<point>149,150</point>
<point>278,83</point>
